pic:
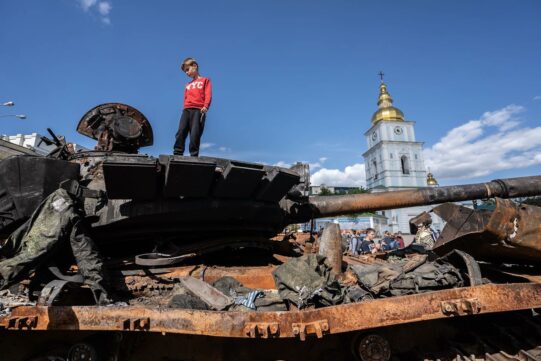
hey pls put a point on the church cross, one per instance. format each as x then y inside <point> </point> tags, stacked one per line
<point>381,74</point>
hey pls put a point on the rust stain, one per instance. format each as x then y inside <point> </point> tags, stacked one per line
<point>337,319</point>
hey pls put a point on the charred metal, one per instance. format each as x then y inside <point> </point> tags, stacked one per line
<point>191,248</point>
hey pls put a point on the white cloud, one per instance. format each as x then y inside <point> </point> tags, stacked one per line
<point>317,165</point>
<point>206,145</point>
<point>537,97</point>
<point>282,164</point>
<point>102,8</point>
<point>492,143</point>
<point>87,4</point>
<point>352,176</point>
<point>224,149</point>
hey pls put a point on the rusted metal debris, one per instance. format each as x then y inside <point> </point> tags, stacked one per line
<point>330,246</point>
<point>320,206</point>
<point>187,213</point>
<point>510,233</point>
<point>317,322</point>
<point>116,127</point>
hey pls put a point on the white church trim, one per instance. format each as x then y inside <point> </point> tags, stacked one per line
<point>394,159</point>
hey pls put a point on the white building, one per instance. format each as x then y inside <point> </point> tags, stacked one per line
<point>34,142</point>
<point>394,160</point>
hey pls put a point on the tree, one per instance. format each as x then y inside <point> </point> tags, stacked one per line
<point>359,190</point>
<point>325,191</point>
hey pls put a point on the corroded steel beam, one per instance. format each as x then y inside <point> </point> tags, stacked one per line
<point>510,233</point>
<point>330,320</point>
<point>251,277</point>
<point>321,206</point>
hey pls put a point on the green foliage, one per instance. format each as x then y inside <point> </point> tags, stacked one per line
<point>359,190</point>
<point>325,192</point>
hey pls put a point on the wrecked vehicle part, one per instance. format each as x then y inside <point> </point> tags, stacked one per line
<point>20,196</point>
<point>56,222</point>
<point>65,293</point>
<point>415,275</point>
<point>321,206</point>
<point>116,127</point>
<point>510,336</point>
<point>212,297</point>
<point>307,281</point>
<point>330,246</point>
<point>509,234</point>
<point>249,299</point>
<point>338,319</point>
<point>202,204</point>
<point>463,260</point>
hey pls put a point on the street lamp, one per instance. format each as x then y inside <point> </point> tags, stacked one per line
<point>8,104</point>
<point>20,116</point>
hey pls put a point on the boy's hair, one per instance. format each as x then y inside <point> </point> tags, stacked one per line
<point>188,62</point>
<point>368,230</point>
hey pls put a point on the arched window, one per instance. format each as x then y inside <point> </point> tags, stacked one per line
<point>375,169</point>
<point>405,164</point>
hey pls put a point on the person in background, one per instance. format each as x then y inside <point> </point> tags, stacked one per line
<point>368,245</point>
<point>388,243</point>
<point>197,99</point>
<point>355,243</point>
<point>400,240</point>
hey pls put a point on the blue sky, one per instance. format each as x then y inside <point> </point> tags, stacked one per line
<point>293,80</point>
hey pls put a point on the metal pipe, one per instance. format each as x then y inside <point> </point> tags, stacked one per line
<point>325,206</point>
<point>330,246</point>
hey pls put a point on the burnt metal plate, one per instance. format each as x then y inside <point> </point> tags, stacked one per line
<point>90,123</point>
<point>276,184</point>
<point>25,181</point>
<point>131,180</point>
<point>187,176</point>
<point>239,180</point>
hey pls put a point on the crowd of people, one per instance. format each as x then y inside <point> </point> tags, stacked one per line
<point>365,241</point>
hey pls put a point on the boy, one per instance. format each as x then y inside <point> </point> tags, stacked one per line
<point>368,245</point>
<point>197,99</point>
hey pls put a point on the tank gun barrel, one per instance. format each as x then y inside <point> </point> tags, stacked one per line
<point>325,206</point>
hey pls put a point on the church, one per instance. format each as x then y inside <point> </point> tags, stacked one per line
<point>394,160</point>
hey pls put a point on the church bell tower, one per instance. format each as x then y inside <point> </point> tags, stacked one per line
<point>394,159</point>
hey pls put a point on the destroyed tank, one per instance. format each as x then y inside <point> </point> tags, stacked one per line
<point>166,221</point>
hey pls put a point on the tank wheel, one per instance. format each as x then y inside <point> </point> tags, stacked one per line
<point>83,352</point>
<point>372,348</point>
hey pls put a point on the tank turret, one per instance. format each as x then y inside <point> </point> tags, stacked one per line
<point>139,197</point>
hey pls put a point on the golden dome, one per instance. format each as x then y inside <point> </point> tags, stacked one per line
<point>386,110</point>
<point>430,180</point>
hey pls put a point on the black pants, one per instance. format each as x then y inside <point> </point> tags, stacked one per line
<point>192,121</point>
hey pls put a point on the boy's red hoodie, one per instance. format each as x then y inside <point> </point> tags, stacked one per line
<point>198,93</point>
